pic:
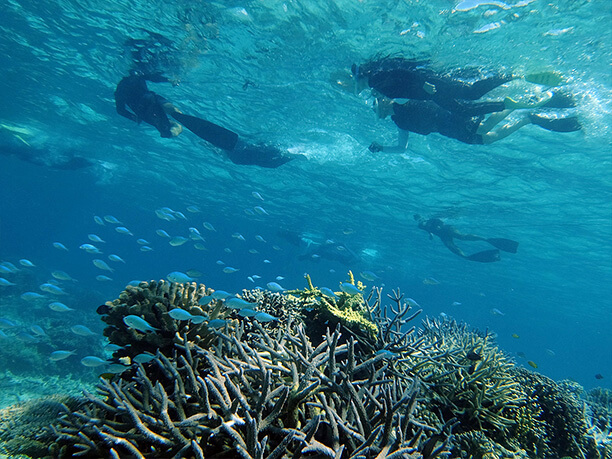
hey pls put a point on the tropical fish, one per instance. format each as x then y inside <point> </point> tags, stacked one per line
<point>6,323</point>
<point>98,220</point>
<point>5,270</point>
<point>180,215</point>
<point>256,276</point>
<point>253,251</point>
<point>220,262</point>
<point>56,356</point>
<point>532,364</point>
<point>111,219</point>
<point>95,238</point>
<point>349,288</point>
<point>138,323</point>
<point>26,263</point>
<point>550,352</point>
<point>260,238</point>
<point>116,258</point>
<point>177,276</point>
<point>180,314</point>
<point>177,241</point>
<point>101,278</point>
<point>10,266</point>
<point>101,264</point>
<point>60,246</point>
<point>37,330</point>
<point>209,226</point>
<point>145,357</point>
<point>193,209</point>
<point>162,233</point>
<point>267,261</point>
<point>216,323</point>
<point>194,273</point>
<point>431,281</point>
<point>279,278</point>
<point>275,287</point>
<point>369,276</point>
<point>412,303</point>
<point>497,312</point>
<point>54,289</point>
<point>5,283</point>
<point>111,347</point>
<point>89,248</point>
<point>82,330</point>
<point>455,303</point>
<point>220,294</point>
<point>26,337</point>
<point>260,210</point>
<point>246,312</point>
<point>515,336</point>
<point>238,236</point>
<point>599,376</point>
<point>142,241</point>
<point>31,296</point>
<point>146,248</point>
<point>123,230</point>
<point>387,354</point>
<point>328,292</point>
<point>61,275</point>
<point>205,300</point>
<point>93,361</point>
<point>249,212</point>
<point>257,195</point>
<point>251,279</point>
<point>237,303</point>
<point>264,317</point>
<point>229,270</point>
<point>227,250</point>
<point>164,215</point>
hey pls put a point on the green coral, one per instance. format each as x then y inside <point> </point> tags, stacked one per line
<point>349,310</point>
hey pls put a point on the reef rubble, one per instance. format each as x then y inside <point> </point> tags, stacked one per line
<point>307,374</point>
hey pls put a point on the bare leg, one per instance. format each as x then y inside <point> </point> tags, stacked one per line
<point>505,131</point>
<point>493,120</point>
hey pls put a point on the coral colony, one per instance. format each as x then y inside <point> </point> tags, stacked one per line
<point>304,374</point>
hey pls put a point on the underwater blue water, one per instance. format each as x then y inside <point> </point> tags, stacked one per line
<point>267,70</point>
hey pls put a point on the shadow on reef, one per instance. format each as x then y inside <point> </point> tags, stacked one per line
<point>308,374</point>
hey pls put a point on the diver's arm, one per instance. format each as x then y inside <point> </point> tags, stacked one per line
<point>401,147</point>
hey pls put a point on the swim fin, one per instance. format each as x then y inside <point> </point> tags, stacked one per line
<point>569,124</point>
<point>507,245</point>
<point>486,256</point>
<point>217,135</point>
<point>546,78</point>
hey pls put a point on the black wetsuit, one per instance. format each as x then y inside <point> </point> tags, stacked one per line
<point>425,117</point>
<point>399,78</point>
<point>132,91</point>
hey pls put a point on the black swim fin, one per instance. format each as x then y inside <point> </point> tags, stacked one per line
<point>486,256</point>
<point>217,135</point>
<point>569,124</point>
<point>507,245</point>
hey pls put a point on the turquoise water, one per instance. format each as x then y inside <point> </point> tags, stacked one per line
<point>267,71</point>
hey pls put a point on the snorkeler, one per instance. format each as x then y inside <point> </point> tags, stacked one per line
<point>147,106</point>
<point>447,234</point>
<point>425,117</point>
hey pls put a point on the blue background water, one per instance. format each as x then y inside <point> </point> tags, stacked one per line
<point>266,70</point>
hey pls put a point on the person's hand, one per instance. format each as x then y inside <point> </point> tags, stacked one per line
<point>375,147</point>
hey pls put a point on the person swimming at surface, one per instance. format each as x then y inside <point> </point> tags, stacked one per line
<point>145,105</point>
<point>447,234</point>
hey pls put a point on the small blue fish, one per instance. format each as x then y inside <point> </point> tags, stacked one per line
<point>328,292</point>
<point>237,303</point>
<point>264,317</point>
<point>267,261</point>
<point>31,296</point>
<point>117,258</point>
<point>61,275</point>
<point>111,347</point>
<point>123,230</point>
<point>217,323</point>
<point>229,270</point>
<point>238,236</point>
<point>412,303</point>
<point>260,210</point>
<point>497,312</point>
<point>142,241</point>
<point>456,303</point>
<point>53,289</point>
<point>60,246</point>
<point>177,276</point>
<point>89,248</point>
<point>247,312</point>
<point>95,238</point>
<point>5,283</point>
<point>5,270</point>
<point>146,248</point>
<point>56,356</point>
<point>26,263</point>
<point>209,226</point>
<point>369,276</point>
<point>82,330</point>
<point>180,215</point>
<point>93,361</point>
<point>275,287</point>
<point>6,323</point>
<point>177,241</point>
<point>101,264</point>
<point>205,300</point>
<point>260,238</point>
<point>59,307</point>
<point>349,288</point>
<point>98,220</point>
<point>37,330</point>
<point>180,314</point>
<point>257,195</point>
<point>165,214</point>
<point>387,354</point>
<point>145,357</point>
<point>102,278</point>
<point>220,294</point>
<point>162,233</point>
<point>138,323</point>
<point>193,209</point>
<point>111,219</point>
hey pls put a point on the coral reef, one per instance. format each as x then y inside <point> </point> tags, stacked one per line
<point>322,374</point>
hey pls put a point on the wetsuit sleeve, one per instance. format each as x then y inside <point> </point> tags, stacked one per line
<point>156,78</point>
